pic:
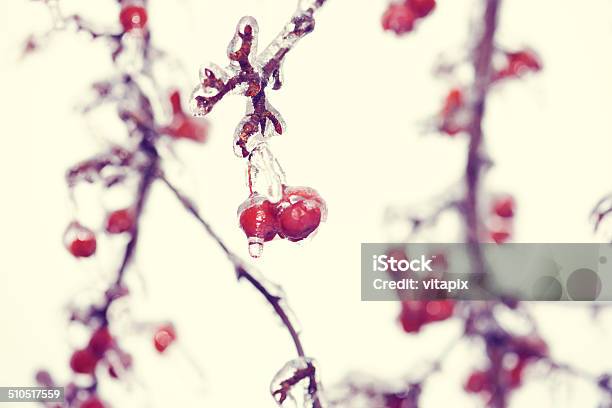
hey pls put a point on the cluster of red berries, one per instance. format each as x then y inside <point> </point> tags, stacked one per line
<point>184,126</point>
<point>502,219</point>
<point>417,313</point>
<point>401,17</point>
<point>133,16</point>
<point>164,336</point>
<point>296,216</point>
<point>81,241</point>
<point>515,357</point>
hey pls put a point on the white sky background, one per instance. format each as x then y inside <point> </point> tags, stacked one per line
<point>355,100</point>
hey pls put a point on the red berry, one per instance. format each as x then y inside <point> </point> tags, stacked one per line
<point>92,402</point>
<point>411,316</point>
<point>421,7</point>
<point>504,207</point>
<point>101,341</point>
<point>164,337</point>
<point>477,382</point>
<point>258,218</point>
<point>299,220</point>
<point>499,237</point>
<point>300,212</point>
<point>522,61</point>
<point>120,221</point>
<point>183,126</point>
<point>453,101</point>
<point>83,361</point>
<point>515,374</point>
<point>133,17</point>
<point>398,18</point>
<point>438,310</point>
<point>80,241</point>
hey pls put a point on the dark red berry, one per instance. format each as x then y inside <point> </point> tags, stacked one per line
<point>92,402</point>
<point>133,17</point>
<point>164,337</point>
<point>398,18</point>
<point>120,221</point>
<point>421,7</point>
<point>477,382</point>
<point>504,207</point>
<point>101,341</point>
<point>300,212</point>
<point>80,241</point>
<point>83,361</point>
<point>299,220</point>
<point>453,102</point>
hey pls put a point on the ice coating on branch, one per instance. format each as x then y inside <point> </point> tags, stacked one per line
<point>265,176</point>
<point>297,385</point>
<point>243,45</point>
<point>212,79</point>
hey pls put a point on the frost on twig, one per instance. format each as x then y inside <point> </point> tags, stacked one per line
<point>250,75</point>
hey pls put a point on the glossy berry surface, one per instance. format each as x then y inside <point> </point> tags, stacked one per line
<point>164,337</point>
<point>421,8</point>
<point>80,241</point>
<point>258,219</point>
<point>83,361</point>
<point>120,221</point>
<point>300,212</point>
<point>133,17</point>
<point>398,18</point>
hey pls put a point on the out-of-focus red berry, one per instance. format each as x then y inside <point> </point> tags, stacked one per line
<point>518,64</point>
<point>164,336</point>
<point>101,341</point>
<point>80,241</point>
<point>120,221</point>
<point>92,402</point>
<point>133,17</point>
<point>477,382</point>
<point>438,310</point>
<point>453,102</point>
<point>504,207</point>
<point>411,316</point>
<point>500,236</point>
<point>184,126</point>
<point>421,8</point>
<point>83,361</point>
<point>398,18</point>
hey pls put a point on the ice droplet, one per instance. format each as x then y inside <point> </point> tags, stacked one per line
<point>198,103</point>
<point>296,384</point>
<point>256,246</point>
<point>210,75</point>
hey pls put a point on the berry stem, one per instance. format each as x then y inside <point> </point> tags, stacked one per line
<point>476,158</point>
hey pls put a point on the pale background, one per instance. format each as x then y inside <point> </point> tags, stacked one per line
<point>355,101</point>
